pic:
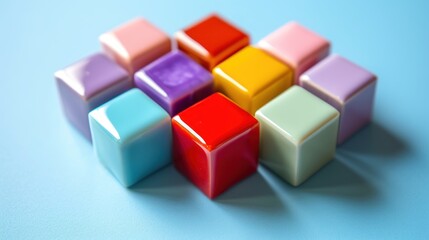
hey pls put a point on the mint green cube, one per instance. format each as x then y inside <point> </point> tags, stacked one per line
<point>298,134</point>
<point>131,136</point>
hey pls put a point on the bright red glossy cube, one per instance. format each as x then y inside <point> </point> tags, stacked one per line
<point>211,40</point>
<point>216,144</point>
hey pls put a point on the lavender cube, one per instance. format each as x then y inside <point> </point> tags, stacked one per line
<point>347,87</point>
<point>86,85</point>
<point>175,82</point>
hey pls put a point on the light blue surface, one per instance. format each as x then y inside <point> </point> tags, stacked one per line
<point>52,186</point>
<point>131,135</point>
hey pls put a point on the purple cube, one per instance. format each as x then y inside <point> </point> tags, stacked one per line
<point>86,85</point>
<point>175,82</point>
<point>347,87</point>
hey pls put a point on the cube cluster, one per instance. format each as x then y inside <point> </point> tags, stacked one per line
<point>215,105</point>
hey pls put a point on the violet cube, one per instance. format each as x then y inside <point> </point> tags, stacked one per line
<point>86,85</point>
<point>175,82</point>
<point>347,87</point>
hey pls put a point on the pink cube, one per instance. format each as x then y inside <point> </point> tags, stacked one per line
<point>347,87</point>
<point>135,44</point>
<point>296,46</point>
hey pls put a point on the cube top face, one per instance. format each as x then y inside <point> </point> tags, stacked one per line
<point>135,43</point>
<point>131,113</point>
<point>214,121</point>
<point>297,113</point>
<point>252,69</point>
<point>337,77</point>
<point>91,75</point>
<point>296,45</point>
<point>174,75</point>
<point>211,40</point>
<point>215,34</point>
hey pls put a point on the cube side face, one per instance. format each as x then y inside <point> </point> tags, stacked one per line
<point>296,46</point>
<point>186,45</point>
<point>201,41</point>
<point>135,44</point>
<point>235,160</point>
<point>75,108</point>
<point>191,159</point>
<point>278,153</point>
<point>107,150</point>
<point>227,86</point>
<point>271,92</point>
<point>111,92</point>
<point>147,153</point>
<point>316,151</point>
<point>151,54</point>
<point>357,112</point>
<point>112,48</point>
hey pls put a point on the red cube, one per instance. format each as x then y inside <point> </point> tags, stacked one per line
<point>216,144</point>
<point>211,40</point>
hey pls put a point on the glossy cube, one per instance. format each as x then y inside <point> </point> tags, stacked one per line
<point>86,85</point>
<point>175,82</point>
<point>216,144</point>
<point>347,87</point>
<point>131,136</point>
<point>298,134</point>
<point>296,46</point>
<point>211,40</point>
<point>251,78</point>
<point>135,44</point>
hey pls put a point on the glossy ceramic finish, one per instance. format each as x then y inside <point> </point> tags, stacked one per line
<point>175,82</point>
<point>296,46</point>
<point>216,144</point>
<point>135,44</point>
<point>211,40</point>
<point>251,78</point>
<point>298,134</point>
<point>347,87</point>
<point>131,136</point>
<point>86,85</point>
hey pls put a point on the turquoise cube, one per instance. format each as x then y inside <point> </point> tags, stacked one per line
<point>131,136</point>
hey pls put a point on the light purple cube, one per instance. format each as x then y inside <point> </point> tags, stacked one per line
<point>86,85</point>
<point>347,87</point>
<point>175,82</point>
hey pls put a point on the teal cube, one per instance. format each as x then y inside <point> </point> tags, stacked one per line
<point>131,136</point>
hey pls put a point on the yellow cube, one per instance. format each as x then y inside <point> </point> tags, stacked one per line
<point>251,78</point>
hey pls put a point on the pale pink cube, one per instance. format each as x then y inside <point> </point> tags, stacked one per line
<point>135,44</point>
<point>296,46</point>
<point>347,87</point>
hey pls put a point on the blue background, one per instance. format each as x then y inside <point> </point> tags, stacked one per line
<point>52,186</point>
